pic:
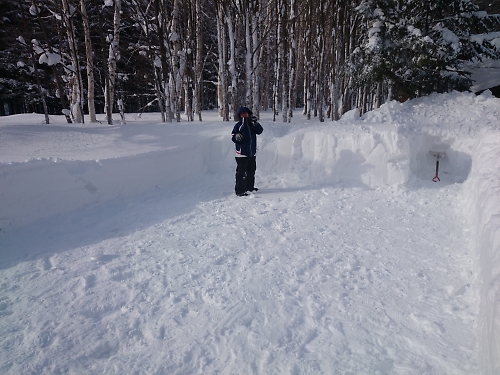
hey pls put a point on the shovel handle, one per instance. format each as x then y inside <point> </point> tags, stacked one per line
<point>436,177</point>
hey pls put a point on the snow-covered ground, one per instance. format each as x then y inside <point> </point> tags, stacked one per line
<point>123,249</point>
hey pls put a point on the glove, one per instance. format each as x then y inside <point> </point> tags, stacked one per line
<point>238,137</point>
<point>253,119</point>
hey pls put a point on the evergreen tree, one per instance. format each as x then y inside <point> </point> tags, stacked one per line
<point>421,46</point>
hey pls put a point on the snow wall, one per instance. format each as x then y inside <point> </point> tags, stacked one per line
<point>482,196</point>
<point>374,153</point>
<point>295,157</point>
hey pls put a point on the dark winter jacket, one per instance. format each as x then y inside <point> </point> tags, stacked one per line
<point>249,128</point>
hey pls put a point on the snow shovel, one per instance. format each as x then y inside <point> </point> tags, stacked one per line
<point>438,155</point>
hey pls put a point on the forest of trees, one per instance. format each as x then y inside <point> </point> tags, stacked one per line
<point>179,57</point>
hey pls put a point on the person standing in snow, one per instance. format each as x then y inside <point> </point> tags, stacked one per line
<point>244,136</point>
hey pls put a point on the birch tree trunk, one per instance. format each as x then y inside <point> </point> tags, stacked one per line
<point>255,64</point>
<point>283,38</point>
<point>76,77</point>
<point>266,63</point>
<point>310,35</point>
<point>232,65</point>
<point>175,77</point>
<point>377,98</point>
<point>90,62</point>
<point>350,25</point>
<point>186,66</point>
<point>278,62</point>
<point>160,17</point>
<point>222,94</point>
<point>114,54</point>
<point>198,68</point>
<point>337,61</point>
<point>292,58</point>
<point>320,65</point>
<point>248,15</point>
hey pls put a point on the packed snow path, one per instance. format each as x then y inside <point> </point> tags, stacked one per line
<point>329,279</point>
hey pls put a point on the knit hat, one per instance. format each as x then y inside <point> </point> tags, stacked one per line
<point>244,109</point>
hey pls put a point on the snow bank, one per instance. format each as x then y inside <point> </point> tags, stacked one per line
<point>468,128</point>
<point>362,156</point>
<point>65,185</point>
<point>370,154</point>
<point>482,196</point>
<point>387,147</point>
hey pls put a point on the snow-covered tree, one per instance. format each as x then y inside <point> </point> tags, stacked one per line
<point>419,47</point>
<point>42,91</point>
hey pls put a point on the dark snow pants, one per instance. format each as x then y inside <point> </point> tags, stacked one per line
<point>245,174</point>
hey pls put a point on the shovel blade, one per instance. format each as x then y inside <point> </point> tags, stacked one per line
<point>438,154</point>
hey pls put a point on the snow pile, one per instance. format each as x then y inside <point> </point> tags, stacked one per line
<point>348,259</point>
<point>482,195</point>
<point>388,147</point>
<point>62,183</point>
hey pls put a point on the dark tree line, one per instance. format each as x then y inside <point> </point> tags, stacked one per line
<point>179,57</point>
